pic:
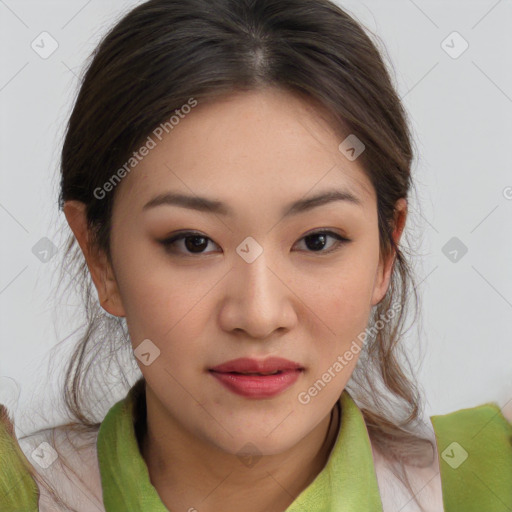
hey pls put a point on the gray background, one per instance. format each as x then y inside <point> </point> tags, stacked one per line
<point>461,113</point>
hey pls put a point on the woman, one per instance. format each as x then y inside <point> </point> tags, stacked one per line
<point>235,174</point>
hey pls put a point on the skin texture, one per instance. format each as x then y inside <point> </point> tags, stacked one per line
<point>257,152</point>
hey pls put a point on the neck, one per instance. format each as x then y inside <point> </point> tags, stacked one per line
<point>188,472</point>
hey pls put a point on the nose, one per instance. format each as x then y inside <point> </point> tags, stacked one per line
<point>257,299</point>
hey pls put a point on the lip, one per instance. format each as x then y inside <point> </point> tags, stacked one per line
<point>248,365</point>
<point>233,376</point>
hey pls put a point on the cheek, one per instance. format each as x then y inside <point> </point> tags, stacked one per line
<point>342,297</point>
<point>340,308</point>
<point>161,302</point>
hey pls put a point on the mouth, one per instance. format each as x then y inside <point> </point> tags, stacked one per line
<point>248,366</point>
<point>277,372</point>
<point>255,379</point>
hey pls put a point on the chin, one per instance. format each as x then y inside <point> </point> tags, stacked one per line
<point>255,445</point>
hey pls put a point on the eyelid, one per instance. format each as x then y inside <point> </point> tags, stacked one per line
<point>341,240</point>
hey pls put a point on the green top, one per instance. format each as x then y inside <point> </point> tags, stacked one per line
<point>474,448</point>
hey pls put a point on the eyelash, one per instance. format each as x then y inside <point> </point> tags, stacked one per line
<point>340,241</point>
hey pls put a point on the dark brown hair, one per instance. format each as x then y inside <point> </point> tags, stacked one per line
<point>165,52</point>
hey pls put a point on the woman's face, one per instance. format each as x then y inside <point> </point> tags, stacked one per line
<point>251,284</point>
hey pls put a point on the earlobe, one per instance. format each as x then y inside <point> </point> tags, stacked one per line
<point>109,298</point>
<point>382,280</point>
<point>385,268</point>
<point>97,262</point>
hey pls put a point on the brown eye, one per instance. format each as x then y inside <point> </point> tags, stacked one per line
<point>318,240</point>
<point>195,243</point>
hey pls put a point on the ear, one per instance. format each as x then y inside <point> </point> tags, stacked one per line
<point>385,268</point>
<point>100,268</point>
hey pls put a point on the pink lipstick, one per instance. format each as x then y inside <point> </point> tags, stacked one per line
<point>257,379</point>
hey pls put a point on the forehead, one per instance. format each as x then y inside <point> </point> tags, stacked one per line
<point>267,144</point>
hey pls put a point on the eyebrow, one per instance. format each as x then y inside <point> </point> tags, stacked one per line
<point>205,204</point>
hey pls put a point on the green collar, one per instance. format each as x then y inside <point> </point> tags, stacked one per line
<point>127,486</point>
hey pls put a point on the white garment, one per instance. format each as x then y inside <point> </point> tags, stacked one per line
<point>81,487</point>
<point>426,482</point>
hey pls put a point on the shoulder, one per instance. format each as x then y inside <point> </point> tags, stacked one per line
<point>18,490</point>
<point>51,469</point>
<point>66,460</point>
<point>475,448</point>
<point>485,430</point>
<point>472,445</point>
